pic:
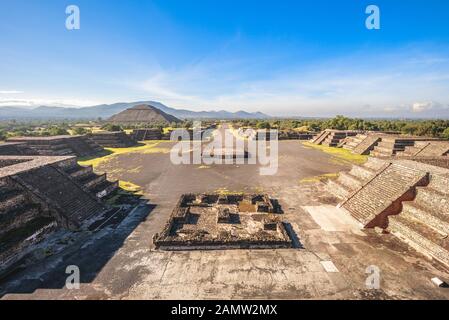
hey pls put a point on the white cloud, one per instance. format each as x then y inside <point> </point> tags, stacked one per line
<point>419,107</point>
<point>390,83</point>
<point>10,92</point>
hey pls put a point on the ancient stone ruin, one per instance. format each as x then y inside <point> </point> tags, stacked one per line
<point>117,139</point>
<point>332,138</point>
<point>15,148</point>
<point>385,144</point>
<point>409,199</point>
<point>42,193</point>
<point>80,146</point>
<point>214,221</point>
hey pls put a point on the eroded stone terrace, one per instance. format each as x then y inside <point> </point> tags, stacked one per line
<point>213,221</point>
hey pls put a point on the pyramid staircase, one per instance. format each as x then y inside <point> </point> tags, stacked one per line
<point>348,182</point>
<point>94,183</point>
<point>361,143</point>
<point>409,199</point>
<point>321,136</point>
<point>426,149</point>
<point>383,194</point>
<point>424,221</point>
<point>23,220</point>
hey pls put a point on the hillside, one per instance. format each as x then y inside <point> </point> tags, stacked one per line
<point>107,110</point>
<point>142,113</point>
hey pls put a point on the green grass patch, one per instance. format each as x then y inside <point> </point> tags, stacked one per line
<point>145,147</point>
<point>341,155</point>
<point>319,178</point>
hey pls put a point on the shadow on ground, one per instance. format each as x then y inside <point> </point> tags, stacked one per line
<point>90,253</point>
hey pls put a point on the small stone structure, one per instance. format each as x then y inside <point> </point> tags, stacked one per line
<point>395,145</point>
<point>213,221</point>
<point>332,138</point>
<point>80,146</point>
<point>409,199</point>
<point>40,194</point>
<point>148,134</point>
<point>118,139</point>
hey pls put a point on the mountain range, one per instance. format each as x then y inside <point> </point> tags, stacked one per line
<point>105,111</point>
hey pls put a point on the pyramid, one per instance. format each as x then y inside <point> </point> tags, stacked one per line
<point>143,113</point>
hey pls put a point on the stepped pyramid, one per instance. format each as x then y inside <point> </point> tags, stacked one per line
<point>407,198</point>
<point>426,149</point>
<point>142,114</point>
<point>393,145</point>
<point>40,194</point>
<point>80,146</point>
<point>332,138</point>
<point>362,143</point>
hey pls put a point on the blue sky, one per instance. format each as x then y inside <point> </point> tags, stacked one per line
<point>310,58</point>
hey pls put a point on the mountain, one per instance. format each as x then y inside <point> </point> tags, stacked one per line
<point>107,110</point>
<point>142,113</point>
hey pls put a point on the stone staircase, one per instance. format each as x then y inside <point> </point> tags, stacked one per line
<point>348,182</point>
<point>321,137</point>
<point>335,137</point>
<point>383,194</point>
<point>95,184</point>
<point>15,148</point>
<point>79,146</point>
<point>426,149</point>
<point>424,222</point>
<point>407,198</point>
<point>22,220</point>
<point>398,145</point>
<point>62,194</point>
<point>367,144</point>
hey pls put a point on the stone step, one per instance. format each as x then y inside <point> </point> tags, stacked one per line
<point>92,180</point>
<point>432,199</point>
<point>421,237</point>
<point>18,216</point>
<point>15,240</point>
<point>382,192</point>
<point>374,164</point>
<point>79,171</point>
<point>362,172</point>
<point>321,137</point>
<point>55,187</point>
<point>349,180</point>
<point>435,219</point>
<point>11,199</point>
<point>105,189</point>
<point>338,189</point>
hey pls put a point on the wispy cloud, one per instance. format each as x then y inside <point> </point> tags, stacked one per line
<point>393,83</point>
<point>10,92</point>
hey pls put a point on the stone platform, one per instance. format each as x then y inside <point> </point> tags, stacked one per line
<point>213,222</point>
<point>80,146</point>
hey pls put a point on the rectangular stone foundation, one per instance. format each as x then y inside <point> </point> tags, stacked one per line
<point>220,222</point>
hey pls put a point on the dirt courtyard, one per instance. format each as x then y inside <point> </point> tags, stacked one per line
<point>121,263</point>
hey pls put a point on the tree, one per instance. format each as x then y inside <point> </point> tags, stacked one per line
<point>112,127</point>
<point>446,133</point>
<point>80,131</point>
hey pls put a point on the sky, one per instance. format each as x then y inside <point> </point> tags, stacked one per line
<point>284,58</point>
